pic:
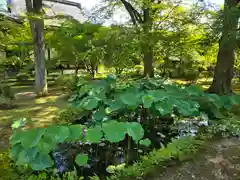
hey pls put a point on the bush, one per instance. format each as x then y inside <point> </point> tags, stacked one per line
<point>6,170</point>
<point>139,69</point>
<point>66,81</point>
<point>6,91</point>
<point>5,102</point>
<point>68,116</point>
<point>179,149</point>
<point>23,77</point>
<point>191,75</point>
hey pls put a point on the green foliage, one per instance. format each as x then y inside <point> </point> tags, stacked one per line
<point>6,169</point>
<point>66,81</point>
<point>178,149</point>
<point>81,159</point>
<point>5,102</point>
<point>6,91</point>
<point>160,98</point>
<point>32,147</point>
<point>83,42</point>
<point>68,115</point>
<point>6,96</point>
<point>22,77</point>
<point>145,142</point>
<point>226,127</point>
<point>122,48</point>
<point>46,176</point>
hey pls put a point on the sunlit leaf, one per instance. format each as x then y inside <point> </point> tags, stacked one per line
<point>147,101</point>
<point>31,137</point>
<point>94,135</point>
<point>26,156</point>
<point>114,131</point>
<point>135,130</point>
<point>59,133</point>
<point>41,162</point>
<point>81,159</point>
<point>145,142</point>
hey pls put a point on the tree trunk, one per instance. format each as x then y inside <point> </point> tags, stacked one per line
<point>148,61</point>
<point>147,47</point>
<point>146,23</point>
<point>223,74</point>
<point>37,29</point>
<point>40,64</point>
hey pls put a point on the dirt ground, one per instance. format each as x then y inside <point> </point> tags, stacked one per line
<point>221,161</point>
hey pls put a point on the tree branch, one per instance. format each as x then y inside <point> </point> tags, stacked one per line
<point>134,14</point>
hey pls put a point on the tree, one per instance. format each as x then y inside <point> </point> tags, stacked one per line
<point>122,48</point>
<point>150,18</point>
<point>223,74</point>
<point>34,8</point>
<point>78,44</point>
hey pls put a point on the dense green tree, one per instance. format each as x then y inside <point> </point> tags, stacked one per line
<point>227,45</point>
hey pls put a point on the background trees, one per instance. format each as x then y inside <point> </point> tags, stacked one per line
<point>176,38</point>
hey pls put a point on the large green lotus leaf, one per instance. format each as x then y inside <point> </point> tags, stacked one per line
<point>186,108</point>
<point>215,99</point>
<point>147,101</point>
<point>194,90</point>
<point>46,145</point>
<point>31,137</point>
<point>26,156</point>
<point>135,130</point>
<point>158,95</point>
<point>81,159</point>
<point>90,103</point>
<point>227,102</point>
<point>101,95</point>
<point>165,107</point>
<point>59,133</point>
<point>129,99</point>
<point>99,115</point>
<point>15,137</point>
<point>41,162</point>
<point>115,105</point>
<point>14,151</point>
<point>94,135</point>
<point>114,131</point>
<point>76,132</point>
<point>235,99</point>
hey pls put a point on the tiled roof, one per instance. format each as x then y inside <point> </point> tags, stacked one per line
<point>18,6</point>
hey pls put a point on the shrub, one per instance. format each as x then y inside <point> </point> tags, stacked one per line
<point>6,170</point>
<point>46,176</point>
<point>66,81</point>
<point>6,91</point>
<point>191,75</point>
<point>68,116</point>
<point>178,149</point>
<point>23,77</point>
<point>5,102</point>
